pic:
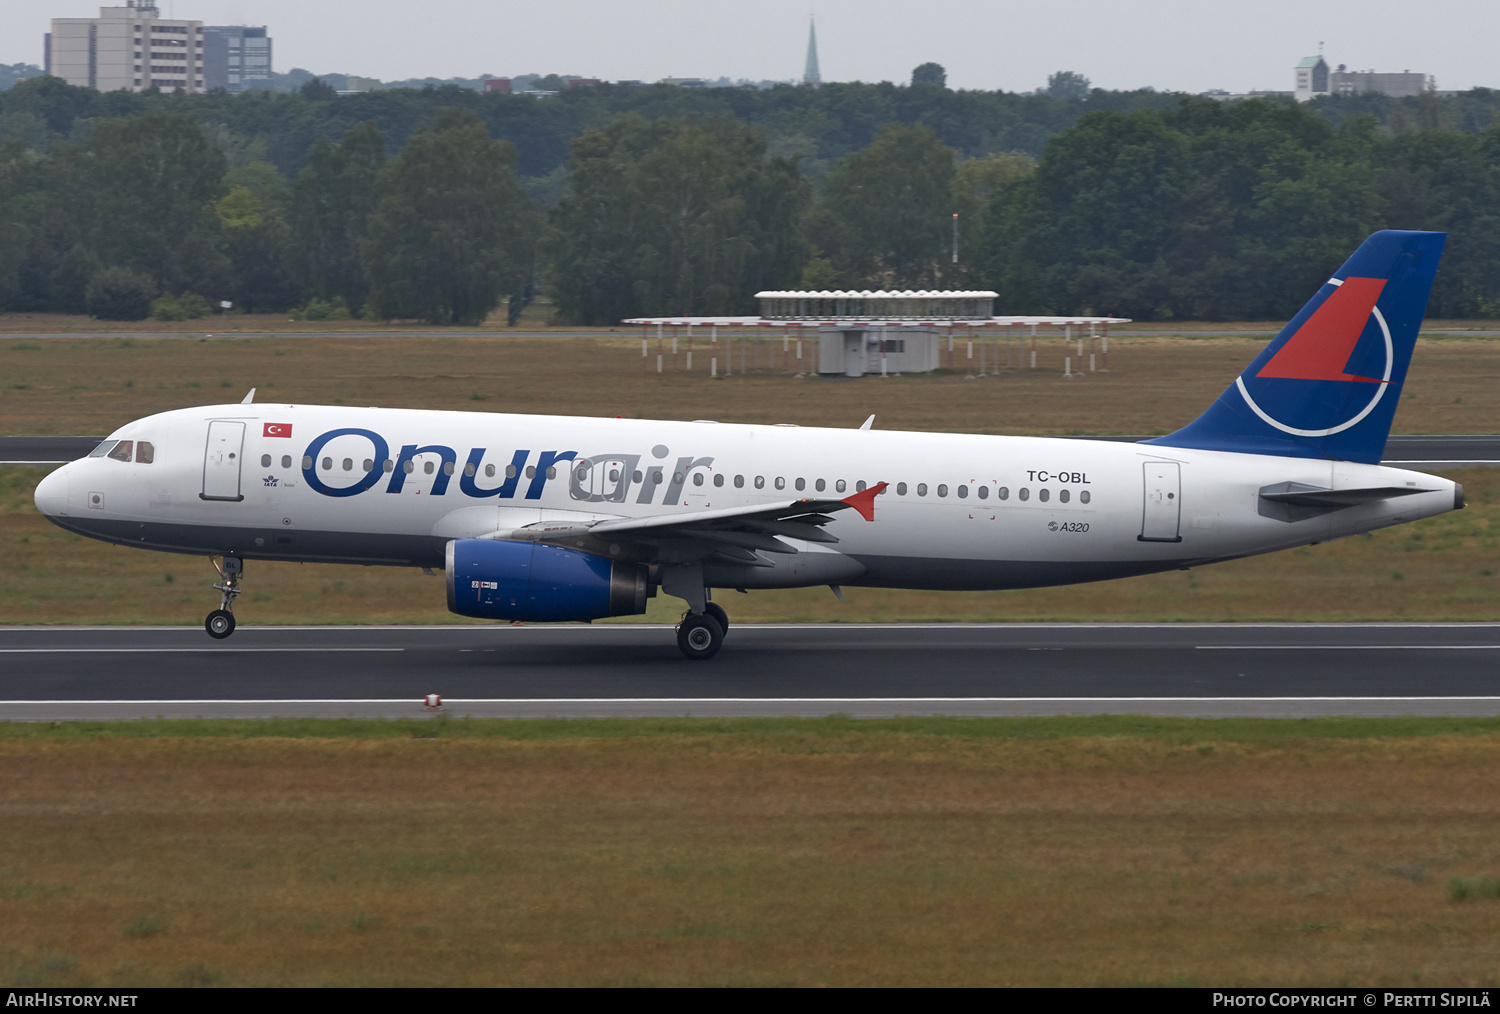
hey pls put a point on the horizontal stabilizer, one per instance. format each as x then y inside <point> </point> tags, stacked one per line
<point>1297,501</point>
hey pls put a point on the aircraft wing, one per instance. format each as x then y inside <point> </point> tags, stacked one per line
<point>736,533</point>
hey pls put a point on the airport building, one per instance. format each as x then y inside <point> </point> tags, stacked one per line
<point>854,334</point>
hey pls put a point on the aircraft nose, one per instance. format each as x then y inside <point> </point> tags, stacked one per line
<point>52,493</point>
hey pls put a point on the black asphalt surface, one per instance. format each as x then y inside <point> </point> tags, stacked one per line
<point>1405,451</point>
<point>610,669</point>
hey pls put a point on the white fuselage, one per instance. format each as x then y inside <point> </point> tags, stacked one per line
<point>961,511</point>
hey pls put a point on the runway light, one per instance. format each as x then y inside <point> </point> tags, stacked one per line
<point>434,701</point>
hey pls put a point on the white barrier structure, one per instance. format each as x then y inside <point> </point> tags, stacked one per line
<point>882,332</point>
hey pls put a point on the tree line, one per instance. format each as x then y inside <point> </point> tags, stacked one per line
<point>1189,209</point>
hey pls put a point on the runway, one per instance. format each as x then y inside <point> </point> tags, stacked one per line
<point>1211,670</point>
<point>1420,452</point>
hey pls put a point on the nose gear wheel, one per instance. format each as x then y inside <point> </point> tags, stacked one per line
<point>220,622</point>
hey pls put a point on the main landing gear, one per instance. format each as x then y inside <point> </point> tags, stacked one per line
<point>701,635</point>
<point>220,622</point>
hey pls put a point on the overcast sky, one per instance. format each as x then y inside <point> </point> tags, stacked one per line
<point>1177,45</point>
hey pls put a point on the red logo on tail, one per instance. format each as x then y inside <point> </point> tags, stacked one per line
<point>1321,348</point>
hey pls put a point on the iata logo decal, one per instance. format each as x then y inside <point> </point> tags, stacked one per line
<point>1344,342</point>
<point>278,430</point>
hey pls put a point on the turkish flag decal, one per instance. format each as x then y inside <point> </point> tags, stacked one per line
<point>278,429</point>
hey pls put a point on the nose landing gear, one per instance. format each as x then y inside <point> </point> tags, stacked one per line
<point>220,622</point>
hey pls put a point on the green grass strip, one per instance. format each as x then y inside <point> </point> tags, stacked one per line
<point>1174,731</point>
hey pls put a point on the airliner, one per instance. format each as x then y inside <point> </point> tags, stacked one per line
<point>551,518</point>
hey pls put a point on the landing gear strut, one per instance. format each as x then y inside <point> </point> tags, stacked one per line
<point>220,622</point>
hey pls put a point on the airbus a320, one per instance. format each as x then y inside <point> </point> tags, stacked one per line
<point>551,518</point>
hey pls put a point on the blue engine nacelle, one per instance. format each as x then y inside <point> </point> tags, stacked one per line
<point>499,580</point>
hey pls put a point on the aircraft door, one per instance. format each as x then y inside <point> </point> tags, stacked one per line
<point>1162,516</point>
<point>222,459</point>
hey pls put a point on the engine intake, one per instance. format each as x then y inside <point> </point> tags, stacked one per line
<point>499,580</point>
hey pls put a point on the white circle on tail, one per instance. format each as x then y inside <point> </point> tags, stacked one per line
<point>1385,380</point>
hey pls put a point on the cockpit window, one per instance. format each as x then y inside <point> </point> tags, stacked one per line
<point>145,452</point>
<point>102,449</point>
<point>122,450</point>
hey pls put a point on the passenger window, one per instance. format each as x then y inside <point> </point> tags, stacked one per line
<point>780,482</point>
<point>265,461</point>
<point>551,472</point>
<point>942,489</point>
<point>1043,495</point>
<point>719,479</point>
<point>469,469</point>
<point>408,466</point>
<point>369,464</point>
<point>697,478</point>
<point>1083,497</point>
<point>984,492</point>
<point>388,465</point>
<point>286,461</point>
<point>1062,495</point>
<point>1024,494</point>
<point>328,465</point>
<point>102,449</point>
<point>900,489</point>
<point>447,468</point>
<point>760,482</point>
<point>839,486</point>
<point>145,453</point>
<point>489,471</point>
<point>614,475</point>
<point>349,465</point>
<point>921,489</point>
<point>307,461</point>
<point>801,484</point>
<point>859,487</point>
<point>427,467</point>
<point>531,472</point>
<point>122,450</point>
<point>510,473</point>
<point>820,485</point>
<point>1003,493</point>
<point>963,492</point>
<point>655,476</point>
<point>739,482</point>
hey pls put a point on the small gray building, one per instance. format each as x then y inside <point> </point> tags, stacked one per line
<point>862,333</point>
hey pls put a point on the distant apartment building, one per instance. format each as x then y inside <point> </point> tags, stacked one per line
<point>131,48</point>
<point>1313,78</point>
<point>497,84</point>
<point>236,57</point>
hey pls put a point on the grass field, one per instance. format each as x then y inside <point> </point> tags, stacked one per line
<point>1154,385</point>
<point>772,852</point>
<point>1443,568</point>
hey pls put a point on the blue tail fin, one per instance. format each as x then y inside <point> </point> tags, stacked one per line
<point>1327,385</point>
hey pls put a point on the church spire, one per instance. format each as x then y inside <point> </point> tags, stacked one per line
<point>810,76</point>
